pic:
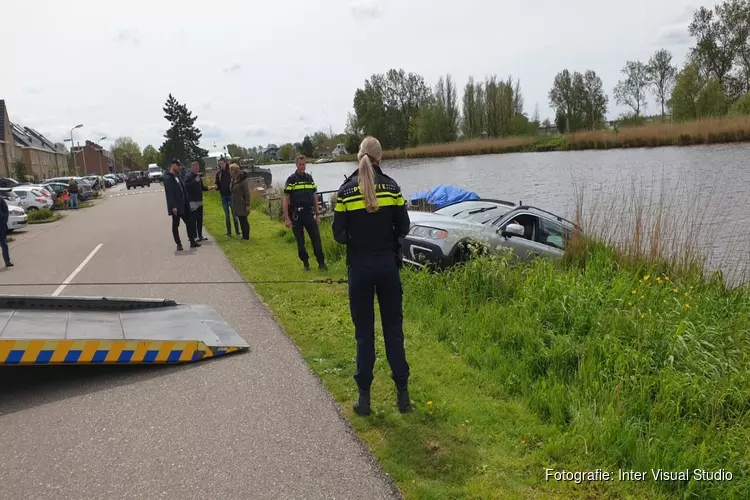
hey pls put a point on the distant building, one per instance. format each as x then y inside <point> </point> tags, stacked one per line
<point>272,151</point>
<point>340,150</point>
<point>93,159</point>
<point>41,157</point>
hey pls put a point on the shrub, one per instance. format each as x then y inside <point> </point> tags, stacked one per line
<point>40,215</point>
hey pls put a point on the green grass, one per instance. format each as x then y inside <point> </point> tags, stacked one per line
<point>520,368</point>
<point>42,216</point>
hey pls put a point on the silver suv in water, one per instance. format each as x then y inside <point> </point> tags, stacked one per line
<point>450,234</point>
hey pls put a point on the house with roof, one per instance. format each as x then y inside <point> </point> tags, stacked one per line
<point>41,157</point>
<point>93,159</point>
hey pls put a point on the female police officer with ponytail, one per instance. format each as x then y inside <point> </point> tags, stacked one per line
<point>369,218</point>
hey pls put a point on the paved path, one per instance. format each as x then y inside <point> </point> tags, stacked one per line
<point>254,425</point>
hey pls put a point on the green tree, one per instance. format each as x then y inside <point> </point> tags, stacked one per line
<point>579,101</point>
<point>697,96</point>
<point>661,76</point>
<point>741,107</point>
<point>182,137</point>
<point>126,150</point>
<point>472,125</point>
<point>19,170</point>
<point>236,151</point>
<point>563,99</point>
<point>719,38</point>
<point>590,90</point>
<point>307,146</point>
<point>631,90</point>
<point>151,155</point>
<point>285,152</point>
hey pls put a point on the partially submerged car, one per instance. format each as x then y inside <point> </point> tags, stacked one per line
<point>451,234</point>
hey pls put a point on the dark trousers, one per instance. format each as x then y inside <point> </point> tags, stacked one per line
<point>197,218</point>
<point>305,220</point>
<point>381,278</point>
<point>4,240</point>
<point>189,224</point>
<point>245,225</point>
<point>226,204</point>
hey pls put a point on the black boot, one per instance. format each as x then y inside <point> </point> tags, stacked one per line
<point>306,266</point>
<point>362,406</point>
<point>402,400</point>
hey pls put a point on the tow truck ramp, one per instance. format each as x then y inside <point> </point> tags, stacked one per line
<point>43,330</point>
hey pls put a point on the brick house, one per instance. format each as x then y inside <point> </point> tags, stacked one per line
<point>93,159</point>
<point>41,157</point>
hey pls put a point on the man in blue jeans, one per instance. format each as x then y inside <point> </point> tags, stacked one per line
<point>224,187</point>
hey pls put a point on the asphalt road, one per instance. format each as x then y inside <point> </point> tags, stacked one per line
<point>254,425</point>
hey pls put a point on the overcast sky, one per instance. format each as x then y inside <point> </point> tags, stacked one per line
<point>272,71</point>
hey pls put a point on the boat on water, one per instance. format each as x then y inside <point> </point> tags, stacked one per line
<point>325,160</point>
<point>248,166</point>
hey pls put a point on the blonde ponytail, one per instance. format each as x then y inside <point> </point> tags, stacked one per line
<point>369,150</point>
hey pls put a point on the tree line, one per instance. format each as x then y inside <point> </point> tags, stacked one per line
<point>402,110</point>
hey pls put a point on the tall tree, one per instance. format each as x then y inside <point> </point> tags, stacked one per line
<point>182,137</point>
<point>151,155</point>
<point>631,90</point>
<point>562,99</point>
<point>472,125</point>
<point>307,146</point>
<point>594,99</point>
<point>717,44</point>
<point>661,76</point>
<point>697,96</point>
<point>125,149</point>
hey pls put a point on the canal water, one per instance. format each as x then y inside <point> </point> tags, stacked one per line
<point>703,191</point>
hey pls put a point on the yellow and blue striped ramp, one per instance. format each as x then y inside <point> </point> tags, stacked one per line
<point>84,330</point>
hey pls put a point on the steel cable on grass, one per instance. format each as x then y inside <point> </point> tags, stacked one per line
<point>328,281</point>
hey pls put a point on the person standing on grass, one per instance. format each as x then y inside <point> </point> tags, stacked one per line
<point>301,212</point>
<point>194,186</point>
<point>73,193</point>
<point>223,184</point>
<point>177,204</point>
<point>240,188</point>
<point>4,232</point>
<point>369,218</point>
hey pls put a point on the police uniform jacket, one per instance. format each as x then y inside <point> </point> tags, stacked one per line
<point>366,235</point>
<point>301,189</point>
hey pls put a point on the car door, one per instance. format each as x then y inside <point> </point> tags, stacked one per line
<point>524,247</point>
<point>553,236</point>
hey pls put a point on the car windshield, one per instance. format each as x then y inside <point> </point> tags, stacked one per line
<point>475,211</point>
<point>154,170</point>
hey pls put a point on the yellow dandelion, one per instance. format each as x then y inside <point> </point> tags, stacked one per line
<point>686,294</point>
<point>429,403</point>
<point>687,306</point>
<point>643,316</point>
<point>523,442</point>
<point>658,280</point>
<point>667,278</point>
<point>642,297</point>
<point>645,278</point>
<point>676,290</point>
<point>633,292</point>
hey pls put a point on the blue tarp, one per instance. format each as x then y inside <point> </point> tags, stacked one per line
<point>444,194</point>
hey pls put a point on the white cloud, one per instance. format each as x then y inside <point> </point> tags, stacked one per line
<point>233,68</point>
<point>255,131</point>
<point>366,9</point>
<point>128,36</point>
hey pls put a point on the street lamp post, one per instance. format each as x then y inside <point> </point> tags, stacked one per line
<point>101,153</point>
<point>75,167</point>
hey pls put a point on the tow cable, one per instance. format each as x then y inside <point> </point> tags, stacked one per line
<point>327,281</point>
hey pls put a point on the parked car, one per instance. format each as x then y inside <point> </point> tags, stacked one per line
<point>85,189</point>
<point>17,218</point>
<point>32,198</point>
<point>111,180</point>
<point>7,182</point>
<point>137,179</point>
<point>444,237</point>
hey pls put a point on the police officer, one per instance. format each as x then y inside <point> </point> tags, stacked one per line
<point>369,218</point>
<point>301,212</point>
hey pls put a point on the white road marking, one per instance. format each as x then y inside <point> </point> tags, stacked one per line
<point>77,270</point>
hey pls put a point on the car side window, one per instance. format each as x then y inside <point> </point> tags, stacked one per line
<point>552,234</point>
<point>528,221</point>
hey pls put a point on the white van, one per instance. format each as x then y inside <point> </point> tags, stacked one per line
<point>154,172</point>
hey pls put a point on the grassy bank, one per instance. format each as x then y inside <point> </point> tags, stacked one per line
<point>711,131</point>
<point>586,365</point>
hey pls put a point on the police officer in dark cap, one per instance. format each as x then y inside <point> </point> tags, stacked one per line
<point>301,212</point>
<point>369,218</point>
